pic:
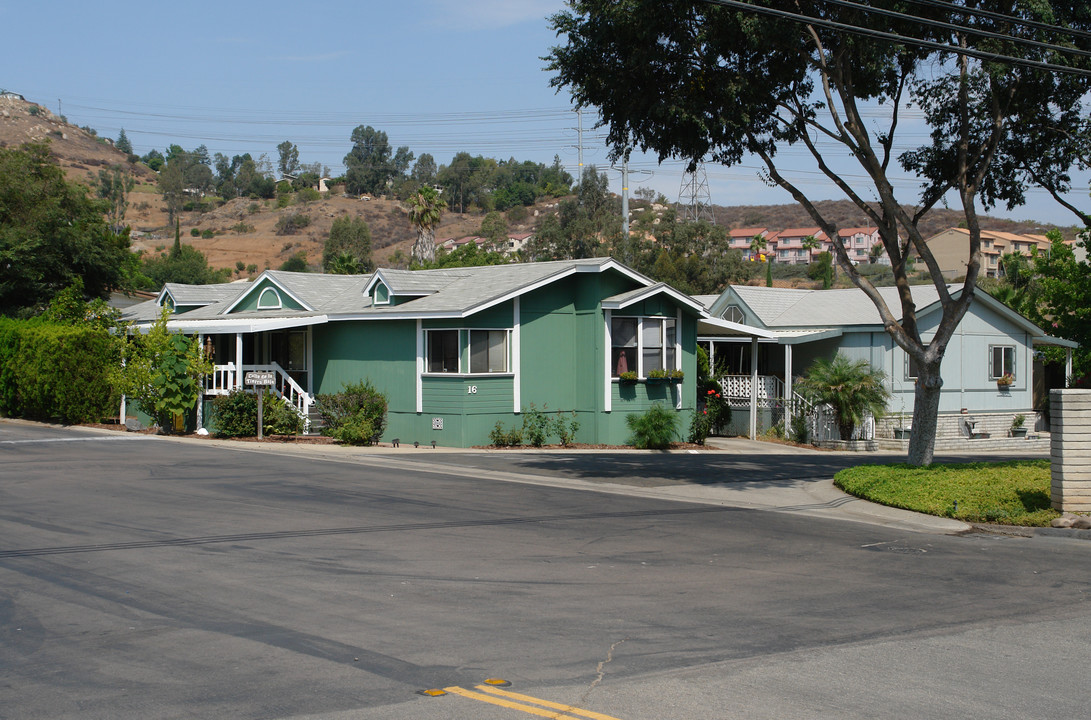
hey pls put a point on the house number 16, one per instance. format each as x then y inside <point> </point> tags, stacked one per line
<point>471,390</point>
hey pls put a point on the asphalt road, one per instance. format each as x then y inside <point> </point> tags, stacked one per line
<point>147,578</point>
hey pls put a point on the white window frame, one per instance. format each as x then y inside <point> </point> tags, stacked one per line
<point>994,374</point>
<point>464,357</point>
<point>261,297</point>
<point>662,320</point>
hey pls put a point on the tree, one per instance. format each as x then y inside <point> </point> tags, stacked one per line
<point>172,186</point>
<point>350,237</point>
<point>424,170</point>
<point>369,162</point>
<point>52,232</point>
<point>288,158</point>
<point>123,144</point>
<point>425,211</point>
<point>758,244</point>
<point>154,160</point>
<point>162,372</point>
<point>729,101</point>
<point>1062,298</point>
<point>469,255</point>
<point>852,387</point>
<point>114,186</point>
<point>494,228</point>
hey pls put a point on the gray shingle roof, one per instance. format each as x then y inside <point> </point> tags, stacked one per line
<point>794,308</point>
<point>445,292</point>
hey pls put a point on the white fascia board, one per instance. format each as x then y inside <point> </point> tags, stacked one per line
<point>710,323</point>
<point>221,326</point>
<point>1050,340</point>
<point>678,297</point>
<point>165,293</point>
<point>375,277</point>
<point>254,286</point>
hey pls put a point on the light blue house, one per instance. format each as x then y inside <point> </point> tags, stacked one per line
<point>992,345</point>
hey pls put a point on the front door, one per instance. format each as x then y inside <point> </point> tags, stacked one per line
<point>288,348</point>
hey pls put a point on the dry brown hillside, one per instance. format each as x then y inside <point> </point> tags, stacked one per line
<point>244,230</point>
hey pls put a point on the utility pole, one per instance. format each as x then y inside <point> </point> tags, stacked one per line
<point>579,144</point>
<point>625,199</point>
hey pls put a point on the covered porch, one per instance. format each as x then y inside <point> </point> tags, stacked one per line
<point>283,346</point>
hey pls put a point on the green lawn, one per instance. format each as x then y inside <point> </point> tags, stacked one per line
<point>1009,493</point>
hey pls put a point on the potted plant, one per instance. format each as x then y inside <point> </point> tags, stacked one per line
<point>675,376</point>
<point>627,378</point>
<point>1005,381</point>
<point>901,432</point>
<point>1017,427</point>
<point>656,377</point>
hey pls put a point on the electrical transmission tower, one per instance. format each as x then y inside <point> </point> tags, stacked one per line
<point>694,198</point>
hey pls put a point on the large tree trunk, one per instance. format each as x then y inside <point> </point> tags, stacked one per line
<point>922,441</point>
<point>424,249</point>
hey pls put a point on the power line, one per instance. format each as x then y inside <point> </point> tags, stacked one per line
<point>1035,24</point>
<point>958,28</point>
<point>897,38</point>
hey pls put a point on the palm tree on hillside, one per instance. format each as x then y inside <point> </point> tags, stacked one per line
<point>425,210</point>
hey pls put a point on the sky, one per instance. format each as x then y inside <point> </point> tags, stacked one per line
<point>440,76</point>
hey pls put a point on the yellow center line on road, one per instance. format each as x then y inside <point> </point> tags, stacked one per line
<point>547,703</point>
<point>505,699</point>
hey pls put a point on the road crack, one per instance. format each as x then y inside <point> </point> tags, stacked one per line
<point>600,670</point>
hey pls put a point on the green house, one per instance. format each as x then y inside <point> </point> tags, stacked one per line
<point>455,350</point>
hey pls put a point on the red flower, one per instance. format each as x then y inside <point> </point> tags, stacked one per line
<point>717,394</point>
<point>710,392</point>
<point>705,412</point>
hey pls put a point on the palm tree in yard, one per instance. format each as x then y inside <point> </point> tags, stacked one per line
<point>852,387</point>
<point>425,211</point>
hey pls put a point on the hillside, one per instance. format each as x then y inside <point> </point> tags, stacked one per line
<point>244,230</point>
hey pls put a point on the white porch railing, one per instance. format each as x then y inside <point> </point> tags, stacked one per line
<point>736,388</point>
<point>821,420</point>
<point>222,380</point>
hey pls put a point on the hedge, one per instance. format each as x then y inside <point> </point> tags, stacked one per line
<point>56,372</point>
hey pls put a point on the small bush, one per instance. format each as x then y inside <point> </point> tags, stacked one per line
<point>356,415</point>
<point>195,232</point>
<point>565,429</point>
<point>283,201</point>
<point>501,438</point>
<point>242,228</point>
<point>236,415</point>
<point>307,194</point>
<point>654,429</point>
<point>253,208</point>
<point>291,224</point>
<point>535,426</point>
<point>699,427</point>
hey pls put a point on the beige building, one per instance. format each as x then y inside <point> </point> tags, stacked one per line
<point>951,249</point>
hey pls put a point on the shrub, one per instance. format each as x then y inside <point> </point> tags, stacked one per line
<point>207,234</point>
<point>51,371</point>
<point>535,426</point>
<point>291,224</point>
<point>236,415</point>
<point>283,201</point>
<point>655,429</point>
<point>195,232</point>
<point>699,427</point>
<point>565,429</point>
<point>307,194</point>
<point>356,415</point>
<point>242,228</point>
<point>502,438</point>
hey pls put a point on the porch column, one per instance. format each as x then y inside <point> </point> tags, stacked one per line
<point>201,380</point>
<point>1067,365</point>
<point>754,388</point>
<point>788,390</point>
<point>712,360</point>
<point>238,361</point>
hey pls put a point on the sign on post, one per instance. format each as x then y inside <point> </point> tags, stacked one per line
<point>260,378</point>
